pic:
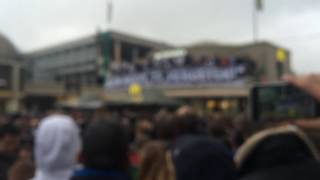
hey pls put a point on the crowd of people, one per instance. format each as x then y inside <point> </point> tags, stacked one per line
<point>168,145</point>
<point>181,71</point>
<point>187,61</point>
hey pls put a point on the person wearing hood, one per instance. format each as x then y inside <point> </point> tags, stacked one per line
<point>282,153</point>
<point>57,144</point>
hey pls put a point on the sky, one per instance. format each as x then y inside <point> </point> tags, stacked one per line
<point>293,24</point>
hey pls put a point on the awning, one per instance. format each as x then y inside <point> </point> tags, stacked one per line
<point>82,103</point>
<point>150,97</point>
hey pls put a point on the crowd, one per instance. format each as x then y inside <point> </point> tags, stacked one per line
<point>187,61</point>
<point>168,145</point>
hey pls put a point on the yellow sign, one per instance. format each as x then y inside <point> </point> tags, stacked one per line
<point>281,55</point>
<point>135,89</point>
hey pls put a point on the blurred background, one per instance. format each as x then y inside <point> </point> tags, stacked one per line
<point>139,54</point>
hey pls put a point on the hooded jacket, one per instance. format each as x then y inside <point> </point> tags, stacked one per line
<point>56,147</point>
<point>283,153</point>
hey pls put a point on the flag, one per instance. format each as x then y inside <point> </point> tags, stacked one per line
<point>109,11</point>
<point>259,5</point>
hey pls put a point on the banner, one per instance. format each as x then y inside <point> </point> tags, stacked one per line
<point>232,72</point>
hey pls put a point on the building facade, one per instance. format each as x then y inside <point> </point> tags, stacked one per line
<point>205,75</point>
<point>73,69</point>
<point>11,77</point>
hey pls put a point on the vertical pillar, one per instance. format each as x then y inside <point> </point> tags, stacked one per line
<point>135,55</point>
<point>12,104</point>
<point>118,51</point>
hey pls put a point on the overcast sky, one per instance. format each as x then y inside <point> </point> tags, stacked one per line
<point>294,24</point>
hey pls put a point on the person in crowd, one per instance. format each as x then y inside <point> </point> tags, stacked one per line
<point>79,119</point>
<point>57,144</point>
<point>22,170</point>
<point>189,124</point>
<point>243,129</point>
<point>283,153</point>
<point>188,60</point>
<point>143,132</point>
<point>183,122</point>
<point>105,152</point>
<point>155,162</point>
<point>219,130</point>
<point>23,123</point>
<point>163,125</point>
<point>183,110</point>
<point>179,62</point>
<point>187,158</point>
<point>9,144</point>
<point>199,157</point>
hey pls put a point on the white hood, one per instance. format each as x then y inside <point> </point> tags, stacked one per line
<point>56,147</point>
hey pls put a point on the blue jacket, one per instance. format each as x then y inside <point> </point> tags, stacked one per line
<point>92,174</point>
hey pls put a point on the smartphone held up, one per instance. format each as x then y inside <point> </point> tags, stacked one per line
<point>280,101</point>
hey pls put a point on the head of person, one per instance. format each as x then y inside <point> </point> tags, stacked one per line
<point>197,157</point>
<point>105,146</point>
<point>243,129</point>
<point>155,162</point>
<point>184,110</point>
<point>57,145</point>
<point>9,139</point>
<point>188,124</point>
<point>242,124</point>
<point>274,148</point>
<point>219,129</point>
<point>21,170</point>
<point>163,125</point>
<point>143,132</point>
<point>187,158</point>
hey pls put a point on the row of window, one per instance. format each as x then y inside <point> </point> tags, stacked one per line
<point>88,78</point>
<point>65,59</point>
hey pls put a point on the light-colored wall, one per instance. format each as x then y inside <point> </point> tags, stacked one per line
<point>263,54</point>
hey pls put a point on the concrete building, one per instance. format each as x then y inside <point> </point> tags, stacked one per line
<point>11,77</point>
<point>70,70</point>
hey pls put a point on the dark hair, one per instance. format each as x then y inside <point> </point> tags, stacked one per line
<point>154,164</point>
<point>189,124</point>
<point>164,127</point>
<point>220,133</point>
<point>105,146</point>
<point>22,169</point>
<point>8,129</point>
<point>198,157</point>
